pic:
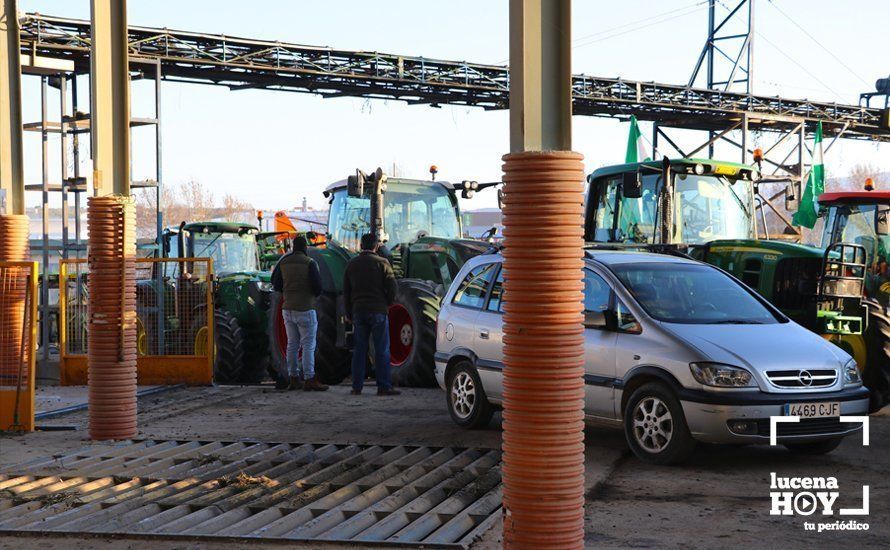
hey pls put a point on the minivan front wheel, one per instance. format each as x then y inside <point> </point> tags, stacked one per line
<point>655,427</point>
<point>467,403</point>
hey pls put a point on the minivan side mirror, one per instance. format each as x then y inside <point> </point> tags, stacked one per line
<point>595,319</point>
<point>882,221</point>
<point>632,185</point>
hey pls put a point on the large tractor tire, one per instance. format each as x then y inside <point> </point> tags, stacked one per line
<point>331,363</point>
<point>228,361</point>
<point>876,371</point>
<point>412,333</point>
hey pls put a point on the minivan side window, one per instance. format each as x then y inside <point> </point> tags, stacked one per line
<point>597,295</point>
<point>497,293</point>
<point>471,292</point>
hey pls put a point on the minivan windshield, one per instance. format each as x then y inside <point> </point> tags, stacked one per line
<point>691,294</point>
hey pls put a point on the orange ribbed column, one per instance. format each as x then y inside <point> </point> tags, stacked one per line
<point>14,230</point>
<point>543,439</point>
<point>112,317</point>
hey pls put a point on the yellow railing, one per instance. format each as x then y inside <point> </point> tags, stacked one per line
<point>18,344</point>
<point>174,320</point>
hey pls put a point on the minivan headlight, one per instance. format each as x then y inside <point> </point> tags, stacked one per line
<point>721,376</point>
<point>851,373</point>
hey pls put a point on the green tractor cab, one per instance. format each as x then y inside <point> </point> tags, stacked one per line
<point>419,224</point>
<point>706,209</point>
<point>241,293</point>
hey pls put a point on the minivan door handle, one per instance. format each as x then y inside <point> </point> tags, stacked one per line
<point>483,333</point>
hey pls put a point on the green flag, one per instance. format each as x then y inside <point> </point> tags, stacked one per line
<point>636,149</point>
<point>808,210</point>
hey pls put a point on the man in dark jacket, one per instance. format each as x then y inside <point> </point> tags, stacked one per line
<point>297,278</point>
<point>369,288</point>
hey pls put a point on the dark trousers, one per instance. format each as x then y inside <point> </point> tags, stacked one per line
<point>365,327</point>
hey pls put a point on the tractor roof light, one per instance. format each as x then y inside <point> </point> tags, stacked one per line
<point>869,184</point>
<point>699,169</point>
<point>758,155</point>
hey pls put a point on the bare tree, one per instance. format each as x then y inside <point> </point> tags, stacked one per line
<point>185,202</point>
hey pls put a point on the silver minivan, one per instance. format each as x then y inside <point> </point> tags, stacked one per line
<point>677,351</point>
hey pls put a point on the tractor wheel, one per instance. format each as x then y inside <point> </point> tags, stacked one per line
<point>412,333</point>
<point>228,361</point>
<point>331,363</point>
<point>876,370</point>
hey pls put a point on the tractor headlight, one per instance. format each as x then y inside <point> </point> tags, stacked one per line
<point>264,286</point>
<point>851,373</point>
<point>719,375</point>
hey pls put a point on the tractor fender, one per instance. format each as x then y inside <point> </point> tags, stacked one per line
<point>331,265</point>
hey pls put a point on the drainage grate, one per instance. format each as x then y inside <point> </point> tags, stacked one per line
<point>431,496</point>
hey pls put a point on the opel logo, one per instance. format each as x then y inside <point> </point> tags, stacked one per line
<point>805,378</point>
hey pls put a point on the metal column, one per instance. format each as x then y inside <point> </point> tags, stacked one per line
<point>110,98</point>
<point>543,331</point>
<point>12,183</point>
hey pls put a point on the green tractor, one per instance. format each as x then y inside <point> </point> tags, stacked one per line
<point>241,294</point>
<point>706,209</point>
<point>420,225</point>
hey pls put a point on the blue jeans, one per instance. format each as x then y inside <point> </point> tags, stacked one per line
<point>301,327</point>
<point>376,326</point>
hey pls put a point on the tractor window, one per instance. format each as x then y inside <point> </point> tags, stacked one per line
<point>349,219</point>
<point>411,209</point>
<point>636,217</point>
<point>231,252</point>
<point>605,210</point>
<point>856,224</point>
<point>708,208</point>
<point>471,292</point>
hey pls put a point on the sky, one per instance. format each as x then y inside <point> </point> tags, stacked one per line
<point>271,148</point>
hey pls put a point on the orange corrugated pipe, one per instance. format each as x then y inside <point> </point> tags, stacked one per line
<point>111,336</point>
<point>543,439</point>
<point>14,231</point>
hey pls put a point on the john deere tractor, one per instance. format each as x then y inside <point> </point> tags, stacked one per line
<point>240,294</point>
<point>706,209</point>
<point>419,224</point>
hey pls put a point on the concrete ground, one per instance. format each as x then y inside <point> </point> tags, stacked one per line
<point>720,497</point>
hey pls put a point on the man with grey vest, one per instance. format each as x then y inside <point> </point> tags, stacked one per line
<point>297,278</point>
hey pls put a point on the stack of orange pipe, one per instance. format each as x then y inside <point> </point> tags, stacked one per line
<point>112,318</point>
<point>543,439</point>
<point>14,232</point>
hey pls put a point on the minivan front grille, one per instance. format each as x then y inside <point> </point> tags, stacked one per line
<point>818,378</point>
<point>807,426</point>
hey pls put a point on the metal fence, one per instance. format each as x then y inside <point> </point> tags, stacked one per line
<point>18,344</point>
<point>174,338</point>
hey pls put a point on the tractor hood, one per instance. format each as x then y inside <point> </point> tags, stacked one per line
<point>781,346</point>
<point>777,248</point>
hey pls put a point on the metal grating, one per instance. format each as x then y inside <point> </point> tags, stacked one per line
<point>412,495</point>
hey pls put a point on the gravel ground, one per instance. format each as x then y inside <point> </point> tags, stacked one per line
<point>720,497</point>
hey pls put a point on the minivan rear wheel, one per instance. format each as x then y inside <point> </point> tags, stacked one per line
<point>655,426</point>
<point>467,403</point>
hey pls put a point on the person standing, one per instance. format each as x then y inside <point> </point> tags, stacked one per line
<point>297,278</point>
<point>369,288</point>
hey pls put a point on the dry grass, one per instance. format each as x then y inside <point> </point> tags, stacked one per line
<point>245,481</point>
<point>62,497</point>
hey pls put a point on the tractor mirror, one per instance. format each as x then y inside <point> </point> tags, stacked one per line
<point>501,198</point>
<point>632,185</point>
<point>355,184</point>
<point>792,201</point>
<point>882,223</point>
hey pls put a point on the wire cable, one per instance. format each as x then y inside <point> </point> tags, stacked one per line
<point>689,11</point>
<point>635,22</point>
<point>816,40</point>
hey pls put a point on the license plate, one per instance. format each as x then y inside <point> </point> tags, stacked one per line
<point>813,410</point>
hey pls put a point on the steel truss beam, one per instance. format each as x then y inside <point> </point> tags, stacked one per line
<point>245,63</point>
